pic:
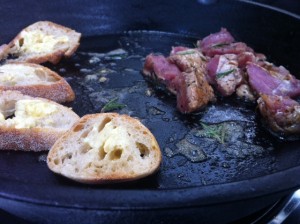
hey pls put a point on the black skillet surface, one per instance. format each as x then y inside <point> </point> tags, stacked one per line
<point>235,179</point>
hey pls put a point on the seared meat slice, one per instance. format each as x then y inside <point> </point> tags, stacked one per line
<point>223,37</point>
<point>188,59</point>
<point>159,69</point>
<point>193,90</point>
<point>279,72</point>
<point>275,81</point>
<point>183,73</point>
<point>244,91</point>
<point>177,49</point>
<point>233,48</point>
<point>221,43</point>
<point>232,67</point>
<point>248,57</point>
<point>212,67</point>
<point>223,72</point>
<point>281,113</point>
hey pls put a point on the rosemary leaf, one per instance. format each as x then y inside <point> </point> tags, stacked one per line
<point>223,74</point>
<point>219,45</point>
<point>217,132</point>
<point>112,105</point>
<point>186,52</point>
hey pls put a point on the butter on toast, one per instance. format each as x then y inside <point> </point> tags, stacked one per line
<point>41,42</point>
<point>104,148</point>
<point>31,123</point>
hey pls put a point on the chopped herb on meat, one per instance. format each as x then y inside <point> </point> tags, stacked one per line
<point>231,67</point>
<point>223,74</point>
<point>186,52</point>
<point>220,45</point>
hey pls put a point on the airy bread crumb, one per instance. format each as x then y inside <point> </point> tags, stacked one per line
<point>107,147</point>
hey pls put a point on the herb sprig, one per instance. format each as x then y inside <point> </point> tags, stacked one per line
<point>113,105</point>
<point>223,74</point>
<point>217,132</point>
<point>219,45</point>
<point>186,52</point>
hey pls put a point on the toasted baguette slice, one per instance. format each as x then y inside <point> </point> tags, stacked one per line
<point>35,80</point>
<point>41,42</point>
<point>104,148</point>
<point>30,123</point>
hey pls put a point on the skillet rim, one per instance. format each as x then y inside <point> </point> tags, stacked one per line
<point>232,188</point>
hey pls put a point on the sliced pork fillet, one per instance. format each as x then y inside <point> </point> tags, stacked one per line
<point>221,43</point>
<point>223,37</point>
<point>193,90</point>
<point>246,57</point>
<point>224,73</point>
<point>269,82</point>
<point>245,92</point>
<point>233,48</point>
<point>184,74</point>
<point>188,60</point>
<point>193,93</point>
<point>159,69</point>
<point>178,49</point>
<point>281,113</point>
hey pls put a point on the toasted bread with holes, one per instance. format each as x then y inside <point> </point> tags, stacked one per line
<point>41,42</point>
<point>35,80</point>
<point>105,148</point>
<point>31,123</point>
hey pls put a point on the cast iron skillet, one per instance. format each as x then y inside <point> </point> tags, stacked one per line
<point>226,185</point>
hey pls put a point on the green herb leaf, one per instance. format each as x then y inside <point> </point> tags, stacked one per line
<point>186,52</point>
<point>112,105</point>
<point>223,74</point>
<point>217,132</point>
<point>219,45</point>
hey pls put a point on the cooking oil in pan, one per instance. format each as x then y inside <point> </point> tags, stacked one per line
<point>223,143</point>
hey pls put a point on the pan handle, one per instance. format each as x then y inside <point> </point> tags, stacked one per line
<point>289,207</point>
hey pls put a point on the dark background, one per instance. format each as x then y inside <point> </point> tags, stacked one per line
<point>289,5</point>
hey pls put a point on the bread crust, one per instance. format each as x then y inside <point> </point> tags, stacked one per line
<point>59,91</point>
<point>55,56</point>
<point>101,177</point>
<point>35,138</point>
